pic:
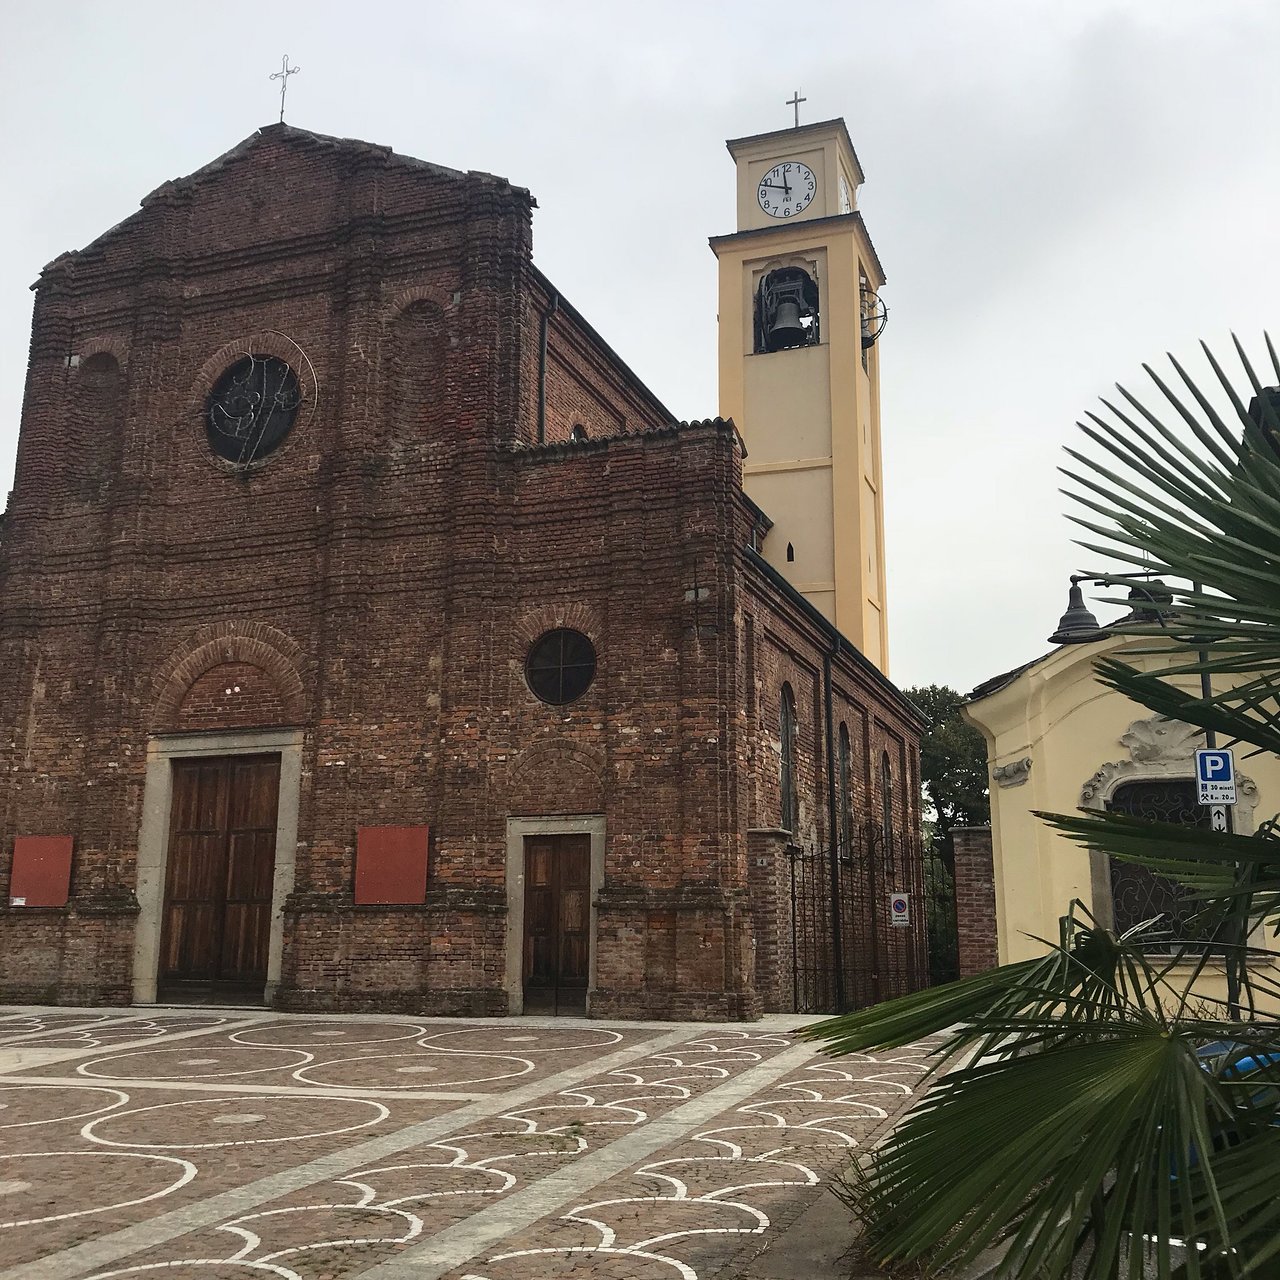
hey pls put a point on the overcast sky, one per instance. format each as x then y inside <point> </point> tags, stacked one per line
<point>1058,192</point>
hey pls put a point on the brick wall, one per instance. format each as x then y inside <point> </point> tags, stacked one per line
<point>232,695</point>
<point>787,644</point>
<point>975,900</point>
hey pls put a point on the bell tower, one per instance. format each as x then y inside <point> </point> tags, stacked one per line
<point>799,369</point>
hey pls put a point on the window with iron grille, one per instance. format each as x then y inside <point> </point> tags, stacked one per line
<point>561,666</point>
<point>251,409</point>
<point>1139,894</point>
<point>787,729</point>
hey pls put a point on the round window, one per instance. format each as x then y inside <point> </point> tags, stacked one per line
<point>251,409</point>
<point>560,666</point>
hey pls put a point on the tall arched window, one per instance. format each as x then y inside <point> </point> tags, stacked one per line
<point>845,796</point>
<point>787,730</point>
<point>886,801</point>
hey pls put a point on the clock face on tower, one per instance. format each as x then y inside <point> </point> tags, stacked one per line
<point>787,189</point>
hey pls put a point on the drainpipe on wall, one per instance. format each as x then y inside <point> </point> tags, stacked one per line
<point>553,305</point>
<point>833,839</point>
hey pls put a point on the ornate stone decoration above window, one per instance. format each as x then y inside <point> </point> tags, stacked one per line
<point>1013,774</point>
<point>1156,739</point>
<point>1161,748</point>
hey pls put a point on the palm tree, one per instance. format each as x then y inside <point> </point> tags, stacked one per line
<point>1093,1109</point>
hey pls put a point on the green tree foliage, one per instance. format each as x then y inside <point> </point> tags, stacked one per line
<point>1101,1114</point>
<point>953,764</point>
<point>953,777</point>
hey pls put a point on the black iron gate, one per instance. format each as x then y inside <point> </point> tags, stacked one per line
<point>845,953</point>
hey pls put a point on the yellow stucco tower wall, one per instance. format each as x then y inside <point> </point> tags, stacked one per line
<point>810,415</point>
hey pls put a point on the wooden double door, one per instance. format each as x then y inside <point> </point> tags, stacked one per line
<point>221,867</point>
<point>557,923</point>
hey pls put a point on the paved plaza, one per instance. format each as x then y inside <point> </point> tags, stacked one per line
<point>227,1144</point>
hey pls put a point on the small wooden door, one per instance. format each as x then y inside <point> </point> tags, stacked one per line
<point>222,852</point>
<point>557,923</point>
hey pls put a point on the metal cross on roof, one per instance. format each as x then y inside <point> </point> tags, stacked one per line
<point>795,102</point>
<point>286,71</point>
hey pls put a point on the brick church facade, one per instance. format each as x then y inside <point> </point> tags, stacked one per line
<point>372,639</point>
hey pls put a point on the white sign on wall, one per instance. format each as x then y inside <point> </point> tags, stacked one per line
<point>900,909</point>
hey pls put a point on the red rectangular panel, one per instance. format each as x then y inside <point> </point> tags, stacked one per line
<point>391,865</point>
<point>41,871</point>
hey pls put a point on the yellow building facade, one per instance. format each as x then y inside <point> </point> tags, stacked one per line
<point>799,369</point>
<point>1058,741</point>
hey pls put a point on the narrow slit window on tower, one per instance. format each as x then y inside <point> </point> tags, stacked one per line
<point>578,434</point>
<point>786,310</point>
<point>791,553</point>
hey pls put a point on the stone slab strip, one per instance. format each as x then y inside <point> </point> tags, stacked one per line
<point>475,1234</point>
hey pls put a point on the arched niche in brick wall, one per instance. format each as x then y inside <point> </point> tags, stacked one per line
<point>231,675</point>
<point>417,348</point>
<point>556,776</point>
<point>93,446</point>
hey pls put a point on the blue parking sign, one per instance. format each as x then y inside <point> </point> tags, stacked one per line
<point>1216,777</point>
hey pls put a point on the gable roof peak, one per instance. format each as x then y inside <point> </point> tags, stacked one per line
<point>290,134</point>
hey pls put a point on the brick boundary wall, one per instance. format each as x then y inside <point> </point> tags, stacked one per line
<point>975,900</point>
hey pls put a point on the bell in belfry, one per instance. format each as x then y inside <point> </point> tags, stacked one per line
<point>786,310</point>
<point>786,330</point>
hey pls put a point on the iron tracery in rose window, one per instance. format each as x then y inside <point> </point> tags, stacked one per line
<point>251,409</point>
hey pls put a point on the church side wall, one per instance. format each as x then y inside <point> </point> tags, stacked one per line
<point>586,385</point>
<point>792,870</point>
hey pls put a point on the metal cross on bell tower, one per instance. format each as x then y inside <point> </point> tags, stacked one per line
<point>794,101</point>
<point>283,76</point>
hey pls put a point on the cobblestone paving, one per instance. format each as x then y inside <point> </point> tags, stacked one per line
<point>243,1144</point>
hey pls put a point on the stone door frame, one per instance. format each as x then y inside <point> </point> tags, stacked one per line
<point>591,825</point>
<point>153,838</point>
